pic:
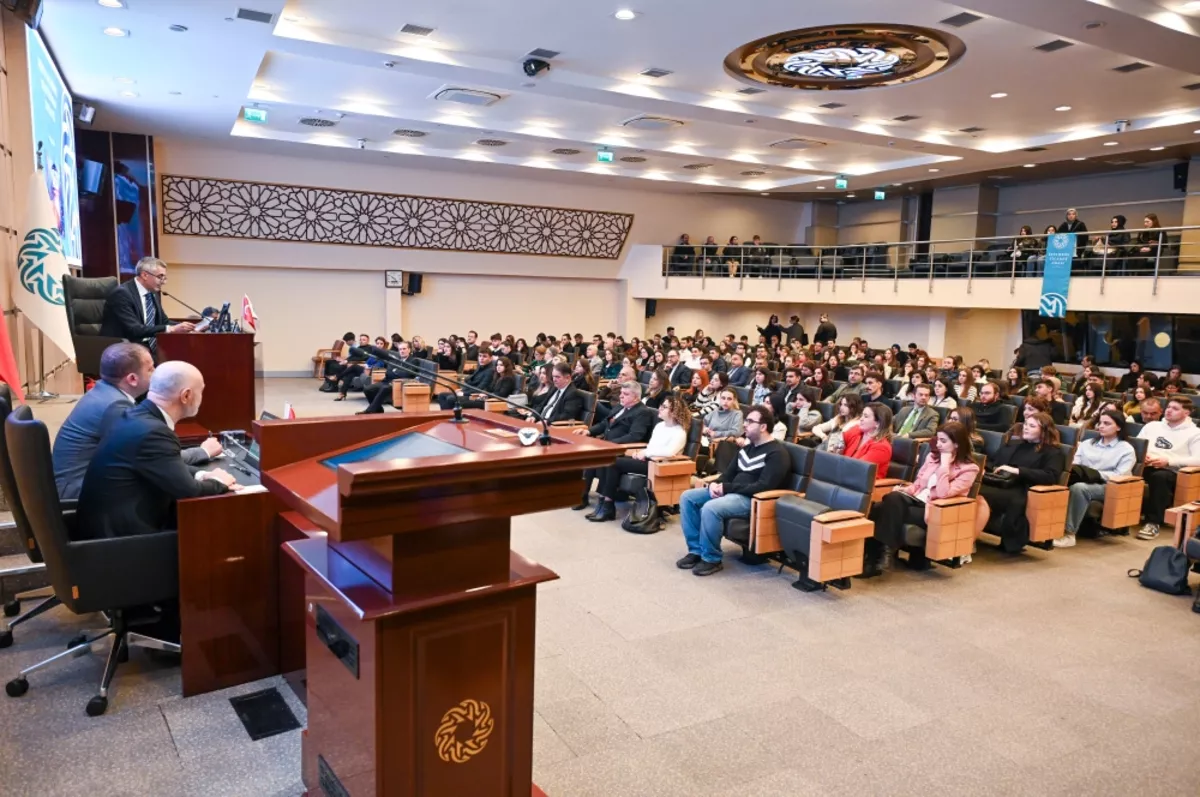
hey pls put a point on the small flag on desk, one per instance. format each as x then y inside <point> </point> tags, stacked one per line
<point>249,319</point>
<point>289,412</point>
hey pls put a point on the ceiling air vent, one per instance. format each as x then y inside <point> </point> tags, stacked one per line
<point>1136,66</point>
<point>971,130</point>
<point>1192,87</point>
<point>797,143</point>
<point>1035,149</point>
<point>1120,163</point>
<point>655,72</point>
<point>416,30</point>
<point>651,123</point>
<point>316,121</point>
<point>1054,46</point>
<point>543,53</point>
<point>466,96</point>
<point>750,91</point>
<point>908,117</point>
<point>565,151</point>
<point>491,142</point>
<point>633,159</point>
<point>250,15</point>
<point>961,20</point>
<point>697,166</point>
<point>833,105</point>
<point>753,173</point>
<point>406,133</point>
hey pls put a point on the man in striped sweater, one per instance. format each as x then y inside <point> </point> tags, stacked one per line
<point>761,465</point>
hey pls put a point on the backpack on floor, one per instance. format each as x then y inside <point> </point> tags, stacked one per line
<point>1167,568</point>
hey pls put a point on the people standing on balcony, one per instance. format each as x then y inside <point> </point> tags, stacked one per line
<point>1073,224</point>
<point>683,257</point>
<point>1037,263</point>
<point>826,331</point>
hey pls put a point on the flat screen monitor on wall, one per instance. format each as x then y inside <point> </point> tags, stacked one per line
<point>54,131</point>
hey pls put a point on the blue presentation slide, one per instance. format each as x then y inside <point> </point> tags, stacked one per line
<point>54,130</point>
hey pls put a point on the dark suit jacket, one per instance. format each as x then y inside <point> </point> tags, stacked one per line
<point>740,376</point>
<point>681,376</point>
<point>569,406</point>
<point>410,369</point>
<point>626,426</point>
<point>481,378</point>
<point>135,478</point>
<point>123,315</point>
<point>782,397</point>
<point>77,440</point>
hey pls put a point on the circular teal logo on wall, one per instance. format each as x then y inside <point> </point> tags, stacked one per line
<point>40,243</point>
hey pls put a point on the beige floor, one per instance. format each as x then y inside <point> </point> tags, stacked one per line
<point>1050,673</point>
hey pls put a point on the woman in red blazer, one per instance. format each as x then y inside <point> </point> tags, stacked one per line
<point>948,472</point>
<point>871,440</point>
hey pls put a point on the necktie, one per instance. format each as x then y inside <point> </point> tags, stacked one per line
<point>151,320</point>
<point>909,422</point>
<point>549,411</point>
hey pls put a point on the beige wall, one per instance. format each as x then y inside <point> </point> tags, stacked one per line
<point>870,222</point>
<point>307,294</point>
<point>976,334</point>
<point>1098,198</point>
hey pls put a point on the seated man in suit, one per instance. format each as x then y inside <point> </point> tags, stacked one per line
<point>679,374</point>
<point>564,403</point>
<point>134,310</point>
<point>138,472</point>
<point>125,371</point>
<point>380,393</point>
<point>920,421</point>
<point>739,374</point>
<point>631,422</point>
<point>482,378</point>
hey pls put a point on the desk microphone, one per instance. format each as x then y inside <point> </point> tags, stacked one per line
<point>391,357</point>
<point>185,304</point>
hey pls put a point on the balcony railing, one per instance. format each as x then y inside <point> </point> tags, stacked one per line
<point>1157,252</point>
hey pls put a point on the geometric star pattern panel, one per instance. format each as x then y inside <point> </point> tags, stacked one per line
<point>271,212</point>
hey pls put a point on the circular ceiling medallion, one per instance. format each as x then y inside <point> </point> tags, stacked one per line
<point>845,57</point>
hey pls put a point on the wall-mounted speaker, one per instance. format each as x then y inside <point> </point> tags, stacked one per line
<point>412,283</point>
<point>1181,175</point>
<point>651,307</point>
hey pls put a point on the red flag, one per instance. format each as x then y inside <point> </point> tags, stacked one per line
<point>249,319</point>
<point>289,412</point>
<point>8,363</point>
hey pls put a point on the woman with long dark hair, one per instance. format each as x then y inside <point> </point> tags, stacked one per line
<point>1029,456</point>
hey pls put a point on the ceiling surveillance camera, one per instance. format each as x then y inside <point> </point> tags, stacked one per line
<point>362,143</point>
<point>1122,125</point>
<point>535,66</point>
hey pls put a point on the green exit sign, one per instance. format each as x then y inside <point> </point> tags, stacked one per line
<point>604,156</point>
<point>256,115</point>
<point>880,195</point>
<point>841,183</point>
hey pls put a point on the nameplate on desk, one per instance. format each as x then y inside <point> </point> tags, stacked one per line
<point>343,646</point>
<point>328,781</point>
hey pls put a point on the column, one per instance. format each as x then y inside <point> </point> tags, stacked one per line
<point>962,215</point>
<point>1189,250</point>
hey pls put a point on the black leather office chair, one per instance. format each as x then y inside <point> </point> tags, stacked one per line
<point>836,483</point>
<point>13,607</point>
<point>84,299</point>
<point>124,577</point>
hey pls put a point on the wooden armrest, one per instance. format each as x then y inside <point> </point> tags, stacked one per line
<point>1190,469</point>
<point>889,481</point>
<point>804,434</point>
<point>629,447</point>
<point>1047,488</point>
<point>671,458</point>
<point>325,352</point>
<point>1124,479</point>
<point>837,515</point>
<point>958,500</point>
<point>774,495</point>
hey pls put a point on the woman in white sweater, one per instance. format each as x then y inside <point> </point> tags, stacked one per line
<point>668,439</point>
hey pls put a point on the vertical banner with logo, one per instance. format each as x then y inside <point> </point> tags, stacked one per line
<point>1060,249</point>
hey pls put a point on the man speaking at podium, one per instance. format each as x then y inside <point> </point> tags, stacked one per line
<point>134,311</point>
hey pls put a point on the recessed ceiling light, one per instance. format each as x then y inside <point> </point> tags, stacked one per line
<point>999,95</point>
<point>1030,165</point>
<point>764,193</point>
<point>820,188</point>
<point>125,80</point>
<point>625,14</point>
<point>1063,108</point>
<point>1078,159</point>
<point>129,93</point>
<point>112,3</point>
<point>850,196</point>
<point>117,32</point>
<point>935,170</point>
<point>178,28</point>
<point>1110,143</point>
<point>1196,132</point>
<point>1157,149</point>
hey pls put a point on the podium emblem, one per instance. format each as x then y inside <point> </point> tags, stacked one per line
<point>451,745</point>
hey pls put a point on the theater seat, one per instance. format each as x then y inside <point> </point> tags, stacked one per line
<point>757,535</point>
<point>901,469</point>
<point>1121,506</point>
<point>949,533</point>
<point>822,532</point>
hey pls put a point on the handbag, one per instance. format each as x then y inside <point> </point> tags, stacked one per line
<point>1167,568</point>
<point>1005,479</point>
<point>1082,474</point>
<point>644,517</point>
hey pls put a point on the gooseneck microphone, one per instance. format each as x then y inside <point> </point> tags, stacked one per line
<point>185,304</point>
<point>392,358</point>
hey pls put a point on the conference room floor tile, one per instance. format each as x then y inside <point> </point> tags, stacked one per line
<point>1049,673</point>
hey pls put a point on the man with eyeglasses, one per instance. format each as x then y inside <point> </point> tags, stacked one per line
<point>760,466</point>
<point>134,311</point>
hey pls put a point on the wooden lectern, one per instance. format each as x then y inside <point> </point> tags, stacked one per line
<point>420,621</point>
<point>227,362</point>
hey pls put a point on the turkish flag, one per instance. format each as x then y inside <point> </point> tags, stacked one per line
<point>8,363</point>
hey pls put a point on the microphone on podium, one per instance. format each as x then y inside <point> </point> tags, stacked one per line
<point>182,302</point>
<point>393,359</point>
